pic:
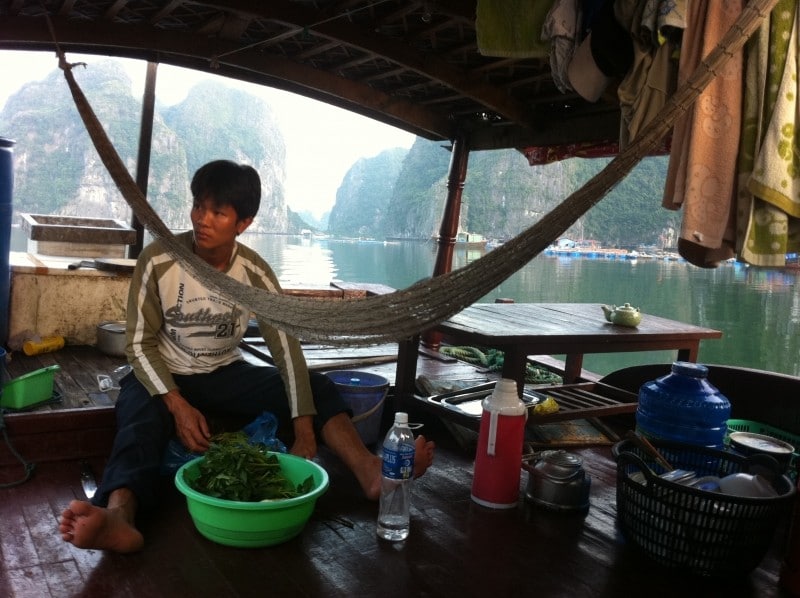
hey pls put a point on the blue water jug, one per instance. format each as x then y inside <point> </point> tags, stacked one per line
<point>683,407</point>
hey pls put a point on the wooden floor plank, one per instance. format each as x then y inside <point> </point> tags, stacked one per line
<point>25,583</point>
<point>456,547</point>
<point>63,578</point>
<point>16,544</point>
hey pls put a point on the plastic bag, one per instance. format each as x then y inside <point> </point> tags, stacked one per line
<point>175,455</point>
<point>261,430</point>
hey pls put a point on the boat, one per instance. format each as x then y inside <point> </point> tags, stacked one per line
<point>408,64</point>
<point>471,240</point>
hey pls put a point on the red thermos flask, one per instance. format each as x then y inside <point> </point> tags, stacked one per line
<point>498,459</point>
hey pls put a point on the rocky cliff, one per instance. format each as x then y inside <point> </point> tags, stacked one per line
<point>58,171</point>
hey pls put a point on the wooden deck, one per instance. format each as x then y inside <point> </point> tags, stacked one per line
<point>76,383</point>
<point>81,422</point>
<point>456,547</point>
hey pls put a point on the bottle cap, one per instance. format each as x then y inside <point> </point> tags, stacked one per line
<point>687,368</point>
<point>504,399</point>
<point>401,417</point>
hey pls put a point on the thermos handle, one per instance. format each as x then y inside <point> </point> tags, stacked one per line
<point>492,440</point>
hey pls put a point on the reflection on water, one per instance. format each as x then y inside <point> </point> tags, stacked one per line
<point>302,261</point>
<point>758,310</point>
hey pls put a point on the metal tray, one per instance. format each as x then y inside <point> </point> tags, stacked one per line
<point>575,401</point>
<point>467,401</point>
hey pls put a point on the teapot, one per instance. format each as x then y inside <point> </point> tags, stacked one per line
<point>626,315</point>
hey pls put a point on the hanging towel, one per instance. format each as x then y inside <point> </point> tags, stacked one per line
<point>512,28</point>
<point>769,158</point>
<point>701,177</point>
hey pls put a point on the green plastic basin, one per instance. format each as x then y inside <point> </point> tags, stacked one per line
<point>29,389</point>
<point>253,524</point>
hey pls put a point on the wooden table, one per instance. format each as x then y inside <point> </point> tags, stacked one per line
<point>571,329</point>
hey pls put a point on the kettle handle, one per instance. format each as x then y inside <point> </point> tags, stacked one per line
<point>491,442</point>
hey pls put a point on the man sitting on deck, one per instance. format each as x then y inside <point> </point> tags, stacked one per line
<point>182,341</point>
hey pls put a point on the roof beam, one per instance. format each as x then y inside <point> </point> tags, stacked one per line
<point>144,42</point>
<point>343,31</point>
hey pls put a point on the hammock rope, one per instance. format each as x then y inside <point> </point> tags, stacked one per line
<point>403,313</point>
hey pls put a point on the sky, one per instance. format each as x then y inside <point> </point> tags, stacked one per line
<point>322,142</point>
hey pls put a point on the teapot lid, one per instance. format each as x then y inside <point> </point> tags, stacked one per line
<point>559,464</point>
<point>626,307</point>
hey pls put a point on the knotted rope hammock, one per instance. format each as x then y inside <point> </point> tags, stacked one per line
<point>403,313</point>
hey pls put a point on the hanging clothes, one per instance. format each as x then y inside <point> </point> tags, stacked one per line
<point>605,55</point>
<point>656,27</point>
<point>701,177</point>
<point>511,28</point>
<point>768,214</point>
<point>561,29</point>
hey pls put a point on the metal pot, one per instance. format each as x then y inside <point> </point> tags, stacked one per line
<point>558,481</point>
<point>111,338</point>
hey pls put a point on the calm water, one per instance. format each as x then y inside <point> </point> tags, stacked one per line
<point>758,310</point>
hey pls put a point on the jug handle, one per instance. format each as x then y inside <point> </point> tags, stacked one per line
<point>492,440</point>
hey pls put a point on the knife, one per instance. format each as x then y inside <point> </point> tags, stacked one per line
<point>88,482</point>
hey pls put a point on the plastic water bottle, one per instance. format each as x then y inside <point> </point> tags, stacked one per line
<point>398,472</point>
<point>683,407</point>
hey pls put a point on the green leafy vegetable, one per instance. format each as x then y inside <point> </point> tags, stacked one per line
<point>234,469</point>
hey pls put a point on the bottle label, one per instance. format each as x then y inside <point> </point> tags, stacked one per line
<point>398,464</point>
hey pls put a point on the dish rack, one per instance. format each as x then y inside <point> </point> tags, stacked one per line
<point>703,532</point>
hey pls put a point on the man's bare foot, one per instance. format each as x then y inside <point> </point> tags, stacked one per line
<point>87,526</point>
<point>423,459</point>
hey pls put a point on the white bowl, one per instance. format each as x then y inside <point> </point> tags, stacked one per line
<point>748,485</point>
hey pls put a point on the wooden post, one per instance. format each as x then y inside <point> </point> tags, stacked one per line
<point>145,145</point>
<point>449,226</point>
<point>407,353</point>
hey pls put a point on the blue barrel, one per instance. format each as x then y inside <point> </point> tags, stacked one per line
<point>364,393</point>
<point>684,406</point>
<point>6,209</point>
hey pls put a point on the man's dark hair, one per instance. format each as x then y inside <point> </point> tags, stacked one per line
<point>229,183</point>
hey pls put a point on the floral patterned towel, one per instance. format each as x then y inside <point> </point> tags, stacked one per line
<point>768,200</point>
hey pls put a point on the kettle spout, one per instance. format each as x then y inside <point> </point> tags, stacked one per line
<point>608,310</point>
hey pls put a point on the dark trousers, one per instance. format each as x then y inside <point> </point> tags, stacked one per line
<point>145,425</point>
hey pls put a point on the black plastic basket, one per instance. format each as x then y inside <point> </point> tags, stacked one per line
<point>706,533</point>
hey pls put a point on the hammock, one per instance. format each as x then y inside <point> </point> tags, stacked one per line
<point>400,315</point>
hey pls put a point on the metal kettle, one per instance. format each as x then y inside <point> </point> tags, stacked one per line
<point>558,481</point>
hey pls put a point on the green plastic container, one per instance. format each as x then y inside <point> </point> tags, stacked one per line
<point>29,389</point>
<point>253,524</point>
<point>746,425</point>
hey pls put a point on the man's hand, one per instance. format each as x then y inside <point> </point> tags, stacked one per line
<point>190,424</point>
<point>305,443</point>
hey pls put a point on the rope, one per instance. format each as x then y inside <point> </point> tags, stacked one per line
<point>27,466</point>
<point>402,314</point>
